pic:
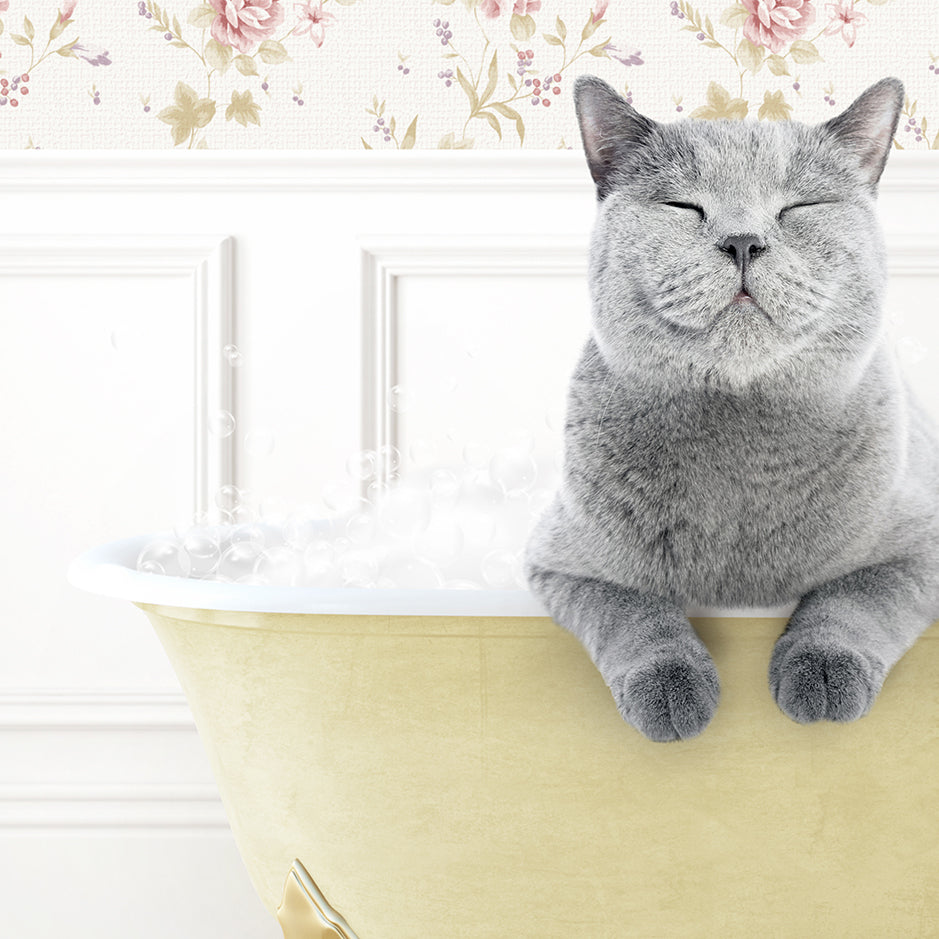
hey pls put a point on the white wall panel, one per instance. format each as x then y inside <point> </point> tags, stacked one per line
<point>458,276</point>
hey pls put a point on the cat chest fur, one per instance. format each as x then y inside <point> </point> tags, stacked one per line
<point>725,500</point>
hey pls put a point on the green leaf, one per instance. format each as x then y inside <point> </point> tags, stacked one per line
<point>66,51</point>
<point>469,89</point>
<point>493,79</point>
<point>218,56</point>
<point>58,27</point>
<point>804,52</point>
<point>391,126</point>
<point>523,27</point>
<point>410,136</point>
<point>600,51</point>
<point>512,81</point>
<point>935,143</point>
<point>28,28</point>
<point>493,121</point>
<point>177,30</point>
<point>561,28</point>
<point>364,144</point>
<point>202,16</point>
<point>749,55</point>
<point>245,65</point>
<point>512,115</point>
<point>1,27</point>
<point>272,52</point>
<point>734,16</point>
<point>777,65</point>
<point>552,40</point>
<point>20,40</point>
<point>179,44</point>
<point>590,27</point>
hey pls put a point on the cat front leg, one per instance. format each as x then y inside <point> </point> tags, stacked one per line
<point>662,678</point>
<point>845,636</point>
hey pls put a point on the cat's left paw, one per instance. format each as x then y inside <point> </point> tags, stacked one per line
<point>815,679</point>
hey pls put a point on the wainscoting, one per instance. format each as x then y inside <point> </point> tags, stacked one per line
<point>430,302</point>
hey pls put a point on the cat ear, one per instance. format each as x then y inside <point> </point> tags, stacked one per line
<point>609,128</point>
<point>868,125</point>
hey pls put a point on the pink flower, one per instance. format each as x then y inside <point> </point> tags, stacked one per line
<point>492,8</point>
<point>313,21</point>
<point>775,23</point>
<point>524,7</point>
<point>845,19</point>
<point>4,5</point>
<point>599,10</point>
<point>244,23</point>
<point>68,8</point>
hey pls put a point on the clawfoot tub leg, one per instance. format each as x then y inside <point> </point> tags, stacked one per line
<point>304,913</point>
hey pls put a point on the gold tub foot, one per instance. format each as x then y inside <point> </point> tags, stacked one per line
<point>304,913</point>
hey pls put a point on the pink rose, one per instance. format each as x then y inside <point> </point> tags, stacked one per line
<point>776,23</point>
<point>68,8</point>
<point>492,8</point>
<point>599,10</point>
<point>524,7</point>
<point>4,5</point>
<point>244,23</point>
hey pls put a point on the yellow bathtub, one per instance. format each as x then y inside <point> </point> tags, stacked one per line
<point>392,770</point>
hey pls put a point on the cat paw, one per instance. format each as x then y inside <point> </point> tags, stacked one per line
<point>669,696</point>
<point>813,679</point>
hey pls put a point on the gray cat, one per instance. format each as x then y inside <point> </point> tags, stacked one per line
<point>737,432</point>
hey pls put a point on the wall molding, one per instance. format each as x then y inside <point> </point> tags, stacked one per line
<point>94,710</point>
<point>341,170</point>
<point>208,261</point>
<point>387,258</point>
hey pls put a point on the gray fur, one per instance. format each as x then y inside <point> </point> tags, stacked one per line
<point>730,453</point>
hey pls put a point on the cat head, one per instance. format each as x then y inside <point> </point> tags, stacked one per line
<point>725,251</point>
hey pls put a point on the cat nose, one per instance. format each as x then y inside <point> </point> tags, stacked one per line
<point>742,248</point>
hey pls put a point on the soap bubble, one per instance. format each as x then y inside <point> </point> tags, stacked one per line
<point>319,562</point>
<point>539,502</point>
<point>163,556</point>
<point>222,423</point>
<point>513,469</point>
<point>910,350</point>
<point>398,398</point>
<point>247,534</point>
<point>479,492</point>
<point>238,560</point>
<point>302,528</point>
<point>259,442</point>
<point>444,486</point>
<point>389,458</point>
<point>340,498</point>
<point>233,356</point>
<point>227,497</point>
<point>441,542</point>
<point>501,569</point>
<point>376,491</point>
<point>358,569</point>
<point>462,585</point>
<point>280,565</point>
<point>203,548</point>
<point>408,572</point>
<point>404,511</point>
<point>477,454</point>
<point>423,452</point>
<point>361,528</point>
<point>362,465</point>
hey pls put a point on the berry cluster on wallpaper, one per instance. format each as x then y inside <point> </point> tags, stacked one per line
<point>439,73</point>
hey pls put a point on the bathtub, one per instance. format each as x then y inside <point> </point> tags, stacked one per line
<point>449,764</point>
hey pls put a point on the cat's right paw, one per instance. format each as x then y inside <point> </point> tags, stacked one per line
<point>671,695</point>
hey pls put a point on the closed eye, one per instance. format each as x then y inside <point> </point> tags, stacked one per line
<point>686,205</point>
<point>802,205</point>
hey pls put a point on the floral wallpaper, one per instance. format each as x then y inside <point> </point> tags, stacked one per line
<point>402,74</point>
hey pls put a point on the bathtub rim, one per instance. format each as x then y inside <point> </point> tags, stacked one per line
<point>110,570</point>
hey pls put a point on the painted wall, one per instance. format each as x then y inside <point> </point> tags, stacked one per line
<point>429,74</point>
